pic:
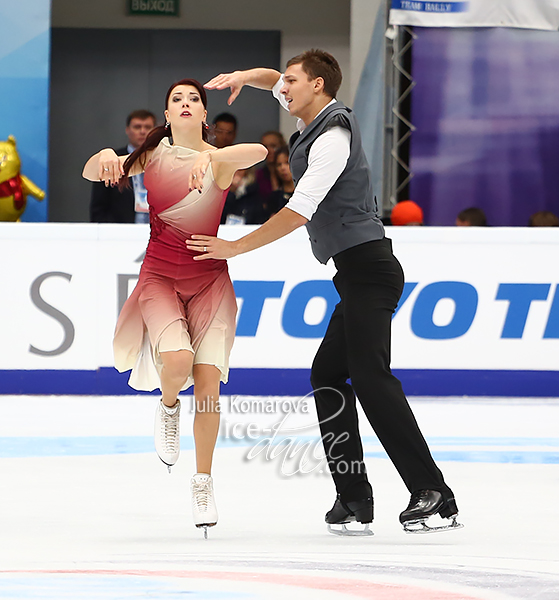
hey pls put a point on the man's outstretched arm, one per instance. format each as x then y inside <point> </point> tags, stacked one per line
<point>261,78</point>
<point>278,226</point>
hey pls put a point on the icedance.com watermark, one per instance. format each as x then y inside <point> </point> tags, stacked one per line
<point>294,444</point>
<point>283,431</point>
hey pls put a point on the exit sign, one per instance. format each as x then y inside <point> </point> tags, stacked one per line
<point>168,8</point>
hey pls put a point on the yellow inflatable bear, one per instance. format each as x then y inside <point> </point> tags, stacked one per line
<point>14,187</point>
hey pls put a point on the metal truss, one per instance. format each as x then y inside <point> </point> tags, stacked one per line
<point>398,126</point>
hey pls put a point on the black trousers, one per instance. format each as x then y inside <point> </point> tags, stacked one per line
<point>356,346</point>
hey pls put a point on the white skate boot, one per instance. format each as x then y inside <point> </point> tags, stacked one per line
<point>167,433</point>
<point>204,510</point>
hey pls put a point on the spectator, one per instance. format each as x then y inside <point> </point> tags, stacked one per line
<point>543,218</point>
<point>242,199</point>
<point>280,197</point>
<point>406,212</point>
<point>251,202</point>
<point>471,217</point>
<point>266,175</point>
<point>109,204</point>
<point>224,130</point>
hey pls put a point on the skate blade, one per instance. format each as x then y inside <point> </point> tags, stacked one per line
<point>344,531</point>
<point>205,526</point>
<point>167,464</point>
<point>420,526</point>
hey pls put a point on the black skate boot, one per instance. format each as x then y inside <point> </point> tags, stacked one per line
<point>360,511</point>
<point>427,503</point>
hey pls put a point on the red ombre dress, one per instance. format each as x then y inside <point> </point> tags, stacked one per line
<point>178,303</point>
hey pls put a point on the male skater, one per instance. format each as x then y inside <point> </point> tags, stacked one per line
<point>334,199</point>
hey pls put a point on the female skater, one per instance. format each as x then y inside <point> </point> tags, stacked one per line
<point>177,327</point>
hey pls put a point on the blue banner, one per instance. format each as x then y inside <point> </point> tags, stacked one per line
<point>525,14</point>
<point>487,118</point>
<point>24,91</point>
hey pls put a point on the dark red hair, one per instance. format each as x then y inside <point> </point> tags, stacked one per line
<point>158,133</point>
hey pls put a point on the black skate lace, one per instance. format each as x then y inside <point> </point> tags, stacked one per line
<point>201,493</point>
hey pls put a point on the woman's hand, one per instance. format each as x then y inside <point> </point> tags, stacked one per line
<point>196,177</point>
<point>110,167</point>
<point>211,247</point>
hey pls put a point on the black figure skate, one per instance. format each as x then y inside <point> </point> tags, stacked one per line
<point>425,504</point>
<point>360,511</point>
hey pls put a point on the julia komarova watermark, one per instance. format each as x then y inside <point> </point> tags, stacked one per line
<point>295,447</point>
<point>247,406</point>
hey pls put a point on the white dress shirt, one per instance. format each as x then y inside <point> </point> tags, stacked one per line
<point>328,158</point>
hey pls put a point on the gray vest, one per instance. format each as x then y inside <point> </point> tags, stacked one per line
<point>348,214</point>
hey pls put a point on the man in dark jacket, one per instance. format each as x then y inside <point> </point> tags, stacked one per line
<point>108,204</point>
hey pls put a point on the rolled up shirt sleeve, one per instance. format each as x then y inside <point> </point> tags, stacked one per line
<point>328,158</point>
<point>276,92</point>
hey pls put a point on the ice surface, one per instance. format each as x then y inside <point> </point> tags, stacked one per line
<point>87,510</point>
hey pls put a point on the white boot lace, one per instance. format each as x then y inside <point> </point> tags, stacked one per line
<point>201,494</point>
<point>170,430</point>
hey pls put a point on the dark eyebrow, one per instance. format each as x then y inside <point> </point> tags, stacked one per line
<point>189,93</point>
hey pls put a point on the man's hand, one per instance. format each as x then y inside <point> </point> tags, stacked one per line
<point>261,78</point>
<point>234,80</point>
<point>211,247</point>
<point>280,224</point>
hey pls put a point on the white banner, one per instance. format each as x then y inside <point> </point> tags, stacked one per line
<point>526,14</point>
<point>475,298</point>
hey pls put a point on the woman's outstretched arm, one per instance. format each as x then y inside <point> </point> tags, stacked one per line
<point>225,161</point>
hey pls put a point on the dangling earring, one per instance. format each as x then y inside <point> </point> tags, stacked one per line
<point>205,125</point>
<point>167,125</point>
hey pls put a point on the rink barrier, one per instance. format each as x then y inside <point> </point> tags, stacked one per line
<point>106,381</point>
<point>479,313</point>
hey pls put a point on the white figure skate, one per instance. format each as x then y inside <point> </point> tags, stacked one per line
<point>204,510</point>
<point>167,433</point>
